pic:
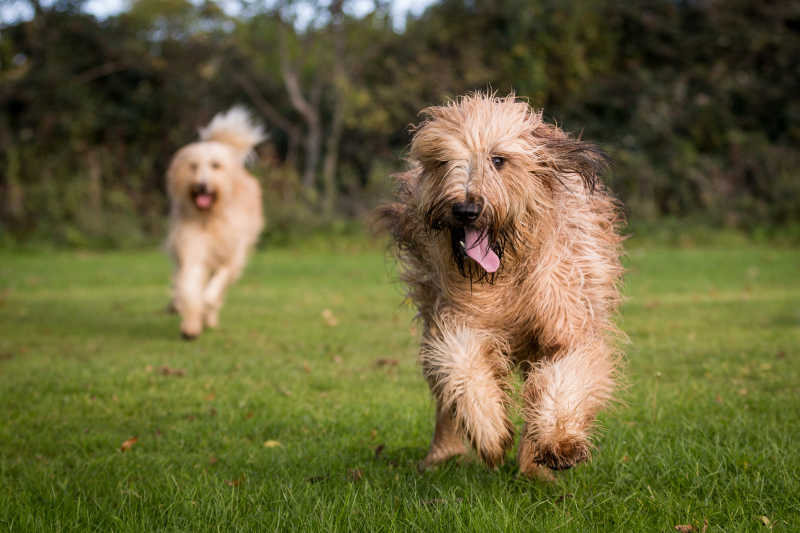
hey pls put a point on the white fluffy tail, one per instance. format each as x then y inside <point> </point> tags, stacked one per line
<point>236,128</point>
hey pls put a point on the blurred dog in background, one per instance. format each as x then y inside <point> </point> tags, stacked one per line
<point>215,216</point>
<point>508,243</point>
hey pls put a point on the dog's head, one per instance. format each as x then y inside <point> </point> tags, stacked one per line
<point>201,175</point>
<point>489,168</point>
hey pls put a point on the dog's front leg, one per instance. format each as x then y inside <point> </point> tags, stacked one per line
<point>467,372</point>
<point>215,289</point>
<point>213,295</point>
<point>563,394</point>
<point>189,281</point>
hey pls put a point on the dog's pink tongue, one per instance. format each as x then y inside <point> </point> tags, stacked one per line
<point>203,201</point>
<point>477,245</point>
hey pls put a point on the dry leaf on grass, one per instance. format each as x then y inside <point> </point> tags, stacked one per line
<point>386,362</point>
<point>235,482</point>
<point>306,367</point>
<point>128,444</point>
<point>212,460</point>
<point>329,318</point>
<point>379,450</point>
<point>355,474</point>
<point>271,444</point>
<point>685,528</point>
<point>167,371</point>
<point>210,397</point>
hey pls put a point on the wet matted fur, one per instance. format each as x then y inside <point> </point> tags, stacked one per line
<point>509,245</point>
<point>215,216</point>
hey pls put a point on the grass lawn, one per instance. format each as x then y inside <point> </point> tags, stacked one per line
<point>285,419</point>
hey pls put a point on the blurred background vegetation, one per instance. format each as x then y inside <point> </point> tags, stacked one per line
<point>696,101</point>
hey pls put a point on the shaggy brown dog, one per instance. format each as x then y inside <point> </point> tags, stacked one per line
<point>508,243</point>
<point>216,216</point>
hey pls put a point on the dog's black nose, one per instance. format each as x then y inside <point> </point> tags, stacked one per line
<point>198,188</point>
<point>466,212</point>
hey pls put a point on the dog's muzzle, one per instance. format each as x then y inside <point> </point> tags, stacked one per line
<point>202,197</point>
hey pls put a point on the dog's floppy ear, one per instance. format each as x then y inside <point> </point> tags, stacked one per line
<point>567,155</point>
<point>396,217</point>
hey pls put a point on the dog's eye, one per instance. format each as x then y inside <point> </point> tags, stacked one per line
<point>498,161</point>
<point>215,165</point>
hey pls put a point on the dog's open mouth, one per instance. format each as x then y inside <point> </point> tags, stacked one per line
<point>203,198</point>
<point>474,243</point>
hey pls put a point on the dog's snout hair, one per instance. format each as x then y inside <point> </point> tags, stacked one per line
<point>198,187</point>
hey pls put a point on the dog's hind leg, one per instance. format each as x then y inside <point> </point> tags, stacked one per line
<point>562,396</point>
<point>447,439</point>
<point>467,372</point>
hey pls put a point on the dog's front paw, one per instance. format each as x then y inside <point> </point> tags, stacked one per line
<point>562,455</point>
<point>555,451</point>
<point>190,329</point>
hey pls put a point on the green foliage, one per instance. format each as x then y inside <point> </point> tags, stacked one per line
<point>707,431</point>
<point>693,100</point>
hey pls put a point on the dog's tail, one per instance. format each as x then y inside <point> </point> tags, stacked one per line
<point>236,128</point>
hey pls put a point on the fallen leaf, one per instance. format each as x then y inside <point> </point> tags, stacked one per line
<point>212,412</point>
<point>765,521</point>
<point>329,318</point>
<point>235,482</point>
<point>781,355</point>
<point>306,367</point>
<point>685,528</point>
<point>705,525</point>
<point>212,460</point>
<point>355,474</point>
<point>718,399</point>
<point>386,362</point>
<point>284,391</point>
<point>742,392</point>
<point>128,444</point>
<point>167,371</point>
<point>210,397</point>
<point>148,368</point>
<point>249,415</point>
<point>271,443</point>
<point>379,450</point>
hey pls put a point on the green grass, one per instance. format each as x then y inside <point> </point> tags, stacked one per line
<point>710,429</point>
